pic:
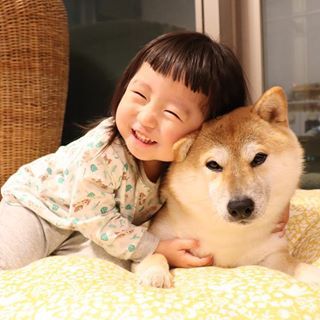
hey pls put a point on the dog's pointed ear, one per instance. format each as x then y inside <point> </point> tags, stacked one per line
<point>273,106</point>
<point>183,145</point>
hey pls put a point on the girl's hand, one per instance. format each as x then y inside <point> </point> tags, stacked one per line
<point>280,227</point>
<point>177,252</point>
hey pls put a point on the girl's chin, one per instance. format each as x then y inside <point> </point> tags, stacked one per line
<point>147,152</point>
<point>151,159</point>
<point>148,157</point>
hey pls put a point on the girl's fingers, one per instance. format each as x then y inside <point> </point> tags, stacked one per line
<point>280,228</point>
<point>193,261</point>
<point>187,244</point>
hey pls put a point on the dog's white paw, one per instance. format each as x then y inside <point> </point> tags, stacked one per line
<point>155,276</point>
<point>307,273</point>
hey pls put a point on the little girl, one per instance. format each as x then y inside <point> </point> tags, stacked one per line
<point>92,196</point>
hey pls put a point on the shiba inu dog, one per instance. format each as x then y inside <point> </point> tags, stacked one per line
<point>228,187</point>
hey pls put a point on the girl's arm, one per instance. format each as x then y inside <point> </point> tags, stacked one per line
<point>97,214</point>
<point>101,222</point>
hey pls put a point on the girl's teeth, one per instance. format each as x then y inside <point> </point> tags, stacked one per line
<point>143,138</point>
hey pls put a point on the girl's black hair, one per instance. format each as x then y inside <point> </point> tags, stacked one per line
<point>203,64</point>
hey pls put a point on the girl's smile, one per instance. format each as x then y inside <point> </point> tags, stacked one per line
<point>139,136</point>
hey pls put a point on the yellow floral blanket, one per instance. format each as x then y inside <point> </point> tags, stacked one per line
<point>82,288</point>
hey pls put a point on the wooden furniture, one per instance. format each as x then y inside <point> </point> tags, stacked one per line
<point>33,80</point>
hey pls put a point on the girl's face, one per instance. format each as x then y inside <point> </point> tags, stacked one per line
<point>155,112</point>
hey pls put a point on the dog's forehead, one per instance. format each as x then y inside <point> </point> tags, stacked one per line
<point>241,124</point>
<point>242,130</point>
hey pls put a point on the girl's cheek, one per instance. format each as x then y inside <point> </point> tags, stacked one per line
<point>175,136</point>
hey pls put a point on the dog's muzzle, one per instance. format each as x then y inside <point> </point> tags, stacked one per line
<point>240,210</point>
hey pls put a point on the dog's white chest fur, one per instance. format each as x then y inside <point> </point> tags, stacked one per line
<point>230,244</point>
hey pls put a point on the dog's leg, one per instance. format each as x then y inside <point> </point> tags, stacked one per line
<point>154,271</point>
<point>282,261</point>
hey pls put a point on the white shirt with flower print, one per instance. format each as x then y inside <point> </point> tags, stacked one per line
<point>101,192</point>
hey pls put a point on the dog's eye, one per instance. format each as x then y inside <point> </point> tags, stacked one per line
<point>259,158</point>
<point>213,166</point>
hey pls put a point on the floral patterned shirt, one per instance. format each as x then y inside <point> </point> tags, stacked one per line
<point>101,192</point>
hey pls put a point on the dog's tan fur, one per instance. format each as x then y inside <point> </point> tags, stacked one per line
<point>197,197</point>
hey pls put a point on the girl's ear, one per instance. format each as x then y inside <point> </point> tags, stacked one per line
<point>182,146</point>
<point>273,106</point>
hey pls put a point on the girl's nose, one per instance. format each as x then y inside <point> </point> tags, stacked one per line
<point>147,117</point>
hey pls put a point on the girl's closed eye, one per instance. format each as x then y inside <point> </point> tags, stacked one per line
<point>173,114</point>
<point>138,93</point>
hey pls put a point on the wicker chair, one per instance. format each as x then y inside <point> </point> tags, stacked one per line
<point>33,80</point>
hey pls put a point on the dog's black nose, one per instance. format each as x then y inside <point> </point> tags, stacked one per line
<point>241,209</point>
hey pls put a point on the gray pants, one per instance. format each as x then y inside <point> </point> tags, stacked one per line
<point>26,237</point>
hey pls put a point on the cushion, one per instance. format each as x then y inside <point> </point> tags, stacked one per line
<point>72,287</point>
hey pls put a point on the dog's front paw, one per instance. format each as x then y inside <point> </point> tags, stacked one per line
<point>155,276</point>
<point>307,273</point>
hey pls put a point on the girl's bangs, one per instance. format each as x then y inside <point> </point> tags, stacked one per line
<point>182,65</point>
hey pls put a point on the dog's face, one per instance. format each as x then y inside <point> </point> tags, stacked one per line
<point>242,166</point>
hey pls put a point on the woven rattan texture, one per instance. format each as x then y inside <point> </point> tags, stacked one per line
<point>33,80</point>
